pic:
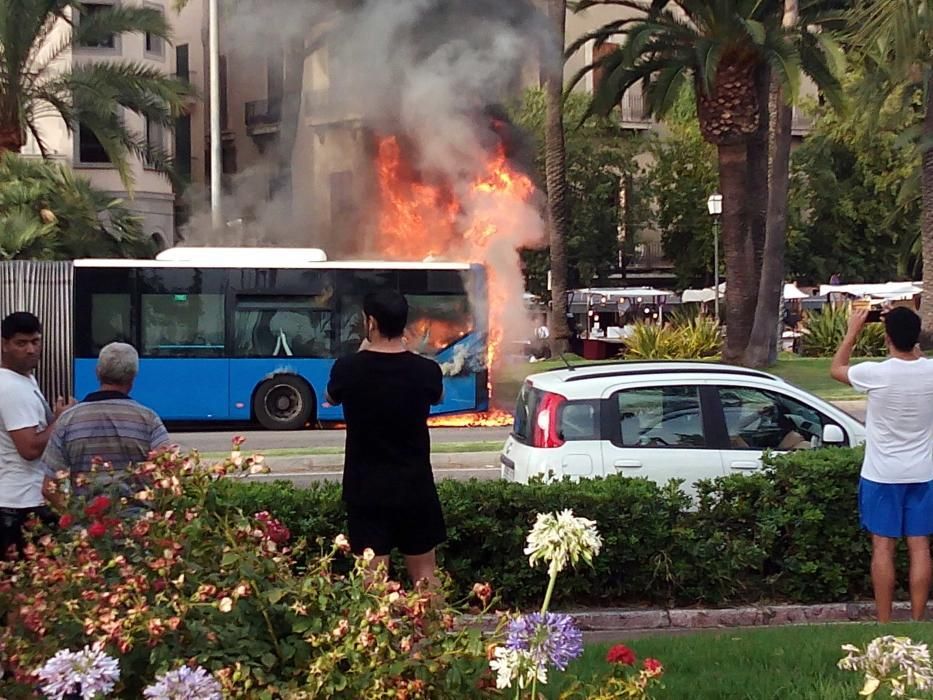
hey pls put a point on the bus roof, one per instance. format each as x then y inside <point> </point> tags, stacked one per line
<point>292,264</point>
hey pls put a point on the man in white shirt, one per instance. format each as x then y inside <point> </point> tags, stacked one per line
<point>25,426</point>
<point>896,485</point>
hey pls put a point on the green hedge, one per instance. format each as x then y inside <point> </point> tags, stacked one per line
<point>789,533</point>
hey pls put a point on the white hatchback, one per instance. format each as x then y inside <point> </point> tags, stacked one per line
<point>664,420</point>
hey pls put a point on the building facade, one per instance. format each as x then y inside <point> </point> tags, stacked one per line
<point>153,198</point>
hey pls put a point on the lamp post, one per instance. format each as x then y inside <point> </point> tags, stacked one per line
<point>714,205</point>
<point>215,136</point>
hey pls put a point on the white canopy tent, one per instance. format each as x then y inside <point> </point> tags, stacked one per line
<point>889,291</point>
<point>702,296</point>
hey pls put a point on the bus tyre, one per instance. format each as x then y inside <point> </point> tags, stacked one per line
<point>284,402</point>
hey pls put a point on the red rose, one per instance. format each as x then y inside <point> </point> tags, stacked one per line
<point>97,507</point>
<point>97,529</point>
<point>278,533</point>
<point>653,666</point>
<point>66,521</point>
<point>621,654</point>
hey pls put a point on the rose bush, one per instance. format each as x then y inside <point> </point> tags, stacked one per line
<point>181,588</point>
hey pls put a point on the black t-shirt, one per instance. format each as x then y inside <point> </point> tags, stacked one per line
<point>386,400</point>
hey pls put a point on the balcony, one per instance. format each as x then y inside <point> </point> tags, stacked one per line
<point>263,117</point>
<point>647,256</point>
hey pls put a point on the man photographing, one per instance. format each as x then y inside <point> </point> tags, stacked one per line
<point>388,486</point>
<point>896,486</point>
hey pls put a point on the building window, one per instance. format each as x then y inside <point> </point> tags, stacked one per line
<point>155,141</point>
<point>155,46</point>
<point>109,41</point>
<point>90,149</point>
<point>182,69</point>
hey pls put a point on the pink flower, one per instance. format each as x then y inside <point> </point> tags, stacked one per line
<point>653,667</point>
<point>237,441</point>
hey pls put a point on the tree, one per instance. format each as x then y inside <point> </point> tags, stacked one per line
<point>723,50</point>
<point>897,38</point>
<point>600,156</point>
<point>49,213</point>
<point>92,93</point>
<point>852,211</point>
<point>556,172</point>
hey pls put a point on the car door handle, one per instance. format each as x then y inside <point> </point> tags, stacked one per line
<point>745,466</point>
<point>627,464</point>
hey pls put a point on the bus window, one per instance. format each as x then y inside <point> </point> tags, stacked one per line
<point>110,320</point>
<point>280,326</point>
<point>437,321</point>
<point>183,325</point>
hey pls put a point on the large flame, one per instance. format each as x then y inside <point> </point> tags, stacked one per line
<point>420,220</point>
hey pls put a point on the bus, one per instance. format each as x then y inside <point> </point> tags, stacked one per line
<point>251,334</point>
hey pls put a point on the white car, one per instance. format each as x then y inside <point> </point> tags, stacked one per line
<point>664,420</point>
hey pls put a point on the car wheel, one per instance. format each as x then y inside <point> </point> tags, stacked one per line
<point>284,402</point>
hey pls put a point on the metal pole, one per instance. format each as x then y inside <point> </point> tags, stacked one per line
<point>216,161</point>
<point>716,265</point>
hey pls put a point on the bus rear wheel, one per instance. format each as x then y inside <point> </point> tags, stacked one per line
<point>284,402</point>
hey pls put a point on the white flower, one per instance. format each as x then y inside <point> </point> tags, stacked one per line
<point>91,669</point>
<point>895,661</point>
<point>185,683</point>
<point>559,538</point>
<point>516,665</point>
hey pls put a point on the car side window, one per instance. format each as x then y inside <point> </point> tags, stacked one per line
<point>665,416</point>
<point>766,420</point>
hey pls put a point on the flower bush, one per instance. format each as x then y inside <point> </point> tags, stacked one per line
<point>189,597</point>
<point>893,664</point>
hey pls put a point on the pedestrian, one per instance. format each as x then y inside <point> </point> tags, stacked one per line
<point>896,486</point>
<point>388,485</point>
<point>99,439</point>
<point>25,426</point>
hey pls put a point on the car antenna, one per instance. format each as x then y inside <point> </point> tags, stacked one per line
<point>567,362</point>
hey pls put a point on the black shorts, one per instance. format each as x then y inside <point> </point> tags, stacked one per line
<point>411,529</point>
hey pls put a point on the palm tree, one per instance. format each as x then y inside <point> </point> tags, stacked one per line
<point>556,176</point>
<point>93,93</point>
<point>718,49</point>
<point>47,212</point>
<point>900,33</point>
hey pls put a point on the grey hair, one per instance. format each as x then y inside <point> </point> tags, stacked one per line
<point>118,364</point>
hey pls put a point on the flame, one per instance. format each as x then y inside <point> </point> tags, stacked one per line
<point>435,334</point>
<point>419,220</point>
<point>490,419</point>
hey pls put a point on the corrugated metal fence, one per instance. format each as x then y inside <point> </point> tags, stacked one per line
<point>44,288</point>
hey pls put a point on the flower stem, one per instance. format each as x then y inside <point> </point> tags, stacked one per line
<point>550,589</point>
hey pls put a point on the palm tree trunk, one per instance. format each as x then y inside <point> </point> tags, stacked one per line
<point>736,242</point>
<point>11,138</point>
<point>762,346</point>
<point>556,176</point>
<point>926,221</point>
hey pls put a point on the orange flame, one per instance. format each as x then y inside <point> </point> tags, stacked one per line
<point>491,419</point>
<point>419,220</point>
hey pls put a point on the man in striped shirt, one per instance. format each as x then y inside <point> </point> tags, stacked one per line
<point>108,431</point>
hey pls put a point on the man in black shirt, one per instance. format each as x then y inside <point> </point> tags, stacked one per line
<point>388,486</point>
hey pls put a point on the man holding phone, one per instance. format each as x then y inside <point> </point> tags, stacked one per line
<point>388,485</point>
<point>896,486</point>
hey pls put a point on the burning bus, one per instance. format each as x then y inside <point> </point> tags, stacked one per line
<point>240,333</point>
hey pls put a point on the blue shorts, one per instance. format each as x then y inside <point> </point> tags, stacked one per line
<point>896,510</point>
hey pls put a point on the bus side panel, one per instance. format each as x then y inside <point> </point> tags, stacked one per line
<point>460,394</point>
<point>188,388</point>
<point>85,376</point>
<point>248,373</point>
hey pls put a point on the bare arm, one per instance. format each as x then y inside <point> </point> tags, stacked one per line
<point>841,360</point>
<point>29,442</point>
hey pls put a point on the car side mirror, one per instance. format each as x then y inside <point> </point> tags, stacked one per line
<point>833,435</point>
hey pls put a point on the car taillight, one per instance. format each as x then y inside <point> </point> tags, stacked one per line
<point>545,432</point>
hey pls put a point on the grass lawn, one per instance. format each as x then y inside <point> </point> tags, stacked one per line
<point>810,373</point>
<point>796,663</point>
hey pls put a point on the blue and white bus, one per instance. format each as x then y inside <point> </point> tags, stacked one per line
<point>251,334</point>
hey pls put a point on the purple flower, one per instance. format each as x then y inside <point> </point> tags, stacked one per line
<point>90,670</point>
<point>185,683</point>
<point>550,638</point>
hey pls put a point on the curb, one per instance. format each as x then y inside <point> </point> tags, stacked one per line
<point>446,460</point>
<point>685,619</point>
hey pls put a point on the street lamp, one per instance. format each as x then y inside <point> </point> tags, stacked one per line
<point>714,204</point>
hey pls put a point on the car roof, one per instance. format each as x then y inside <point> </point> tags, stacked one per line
<point>579,379</point>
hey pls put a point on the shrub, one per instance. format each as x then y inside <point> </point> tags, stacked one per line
<point>824,330</point>
<point>789,533</point>
<point>694,338</point>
